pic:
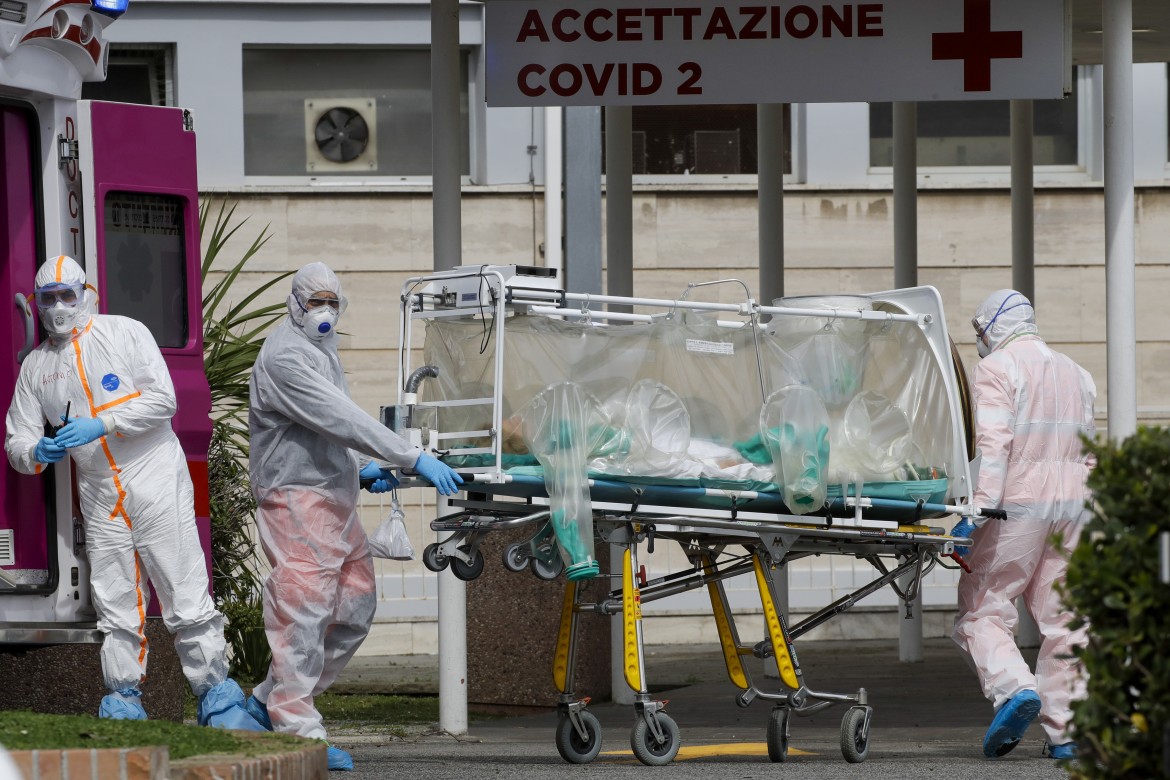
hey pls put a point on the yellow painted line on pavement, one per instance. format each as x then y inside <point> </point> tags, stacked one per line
<point>687,752</point>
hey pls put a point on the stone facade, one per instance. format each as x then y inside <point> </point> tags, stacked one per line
<point>837,241</point>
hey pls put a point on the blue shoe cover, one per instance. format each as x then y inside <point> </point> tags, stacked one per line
<point>1063,752</point>
<point>122,705</point>
<point>259,712</point>
<point>338,759</point>
<point>223,708</point>
<point>1010,723</point>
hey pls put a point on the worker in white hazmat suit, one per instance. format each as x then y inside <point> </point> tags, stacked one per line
<point>135,490</point>
<point>1032,405</point>
<point>308,439</point>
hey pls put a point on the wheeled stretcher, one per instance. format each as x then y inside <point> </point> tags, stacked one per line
<point>752,436</point>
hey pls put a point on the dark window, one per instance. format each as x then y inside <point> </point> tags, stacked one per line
<point>136,73</point>
<point>145,270</point>
<point>717,139</point>
<point>977,132</point>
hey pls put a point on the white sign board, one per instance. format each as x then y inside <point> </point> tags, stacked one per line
<point>659,52</point>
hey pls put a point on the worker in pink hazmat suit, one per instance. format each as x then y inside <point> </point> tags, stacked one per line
<point>1032,406</point>
<point>309,441</point>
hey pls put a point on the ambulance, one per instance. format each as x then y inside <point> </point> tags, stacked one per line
<point>114,186</point>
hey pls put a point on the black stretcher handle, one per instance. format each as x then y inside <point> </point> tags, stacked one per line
<point>402,474</point>
<point>995,514</point>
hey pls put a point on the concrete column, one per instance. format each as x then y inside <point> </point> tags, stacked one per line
<point>1120,285</point>
<point>1027,632</point>
<point>619,691</point>
<point>1164,557</point>
<point>619,203</point>
<point>582,199</point>
<point>448,241</point>
<point>770,152</point>
<point>910,628</point>
<point>445,134</point>
<point>905,194</point>
<point>553,203</point>
<point>1023,268</point>
<point>906,275</point>
<point>452,644</point>
<point>1023,201</point>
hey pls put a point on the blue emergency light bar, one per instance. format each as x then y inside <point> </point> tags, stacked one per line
<point>114,8</point>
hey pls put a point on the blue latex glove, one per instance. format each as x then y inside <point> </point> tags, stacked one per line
<point>439,474</point>
<point>79,431</point>
<point>964,529</point>
<point>381,480</point>
<point>48,451</point>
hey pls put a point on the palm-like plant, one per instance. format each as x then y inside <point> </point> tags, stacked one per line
<point>232,336</point>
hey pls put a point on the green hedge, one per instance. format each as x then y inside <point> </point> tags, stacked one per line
<point>1114,585</point>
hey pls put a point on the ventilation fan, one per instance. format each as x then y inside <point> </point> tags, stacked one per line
<point>341,134</point>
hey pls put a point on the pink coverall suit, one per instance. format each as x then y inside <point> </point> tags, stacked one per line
<point>1032,406</point>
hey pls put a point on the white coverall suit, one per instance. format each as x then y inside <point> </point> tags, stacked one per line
<point>1032,405</point>
<point>136,493</point>
<point>319,599</point>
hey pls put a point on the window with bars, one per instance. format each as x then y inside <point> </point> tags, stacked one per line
<point>140,73</point>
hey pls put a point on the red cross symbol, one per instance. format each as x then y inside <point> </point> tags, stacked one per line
<point>977,45</point>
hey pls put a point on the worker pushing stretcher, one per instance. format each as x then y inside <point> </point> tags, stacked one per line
<point>751,435</point>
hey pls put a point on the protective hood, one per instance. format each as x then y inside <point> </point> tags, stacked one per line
<point>318,325</point>
<point>1004,314</point>
<point>64,322</point>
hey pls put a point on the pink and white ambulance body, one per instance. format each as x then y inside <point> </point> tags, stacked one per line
<point>114,186</point>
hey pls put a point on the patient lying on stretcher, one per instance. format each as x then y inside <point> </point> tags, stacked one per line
<point>647,435</point>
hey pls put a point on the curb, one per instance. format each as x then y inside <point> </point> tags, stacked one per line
<point>153,763</point>
<point>146,763</point>
<point>308,763</point>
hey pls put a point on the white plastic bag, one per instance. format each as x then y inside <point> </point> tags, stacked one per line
<point>390,539</point>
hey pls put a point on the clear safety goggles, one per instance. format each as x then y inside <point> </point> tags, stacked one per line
<point>317,300</point>
<point>51,294</point>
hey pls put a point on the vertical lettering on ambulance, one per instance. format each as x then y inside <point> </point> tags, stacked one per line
<point>73,192</point>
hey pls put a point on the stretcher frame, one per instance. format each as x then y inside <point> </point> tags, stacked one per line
<point>899,550</point>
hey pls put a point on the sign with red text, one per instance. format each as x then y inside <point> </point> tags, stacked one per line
<point>660,52</point>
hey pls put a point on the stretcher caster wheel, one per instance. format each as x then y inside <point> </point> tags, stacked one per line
<point>515,559</point>
<point>778,735</point>
<point>547,571</point>
<point>648,750</point>
<point>571,746</point>
<point>854,740</point>
<point>433,559</point>
<point>468,571</point>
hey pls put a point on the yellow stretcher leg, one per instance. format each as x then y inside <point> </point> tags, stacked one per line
<point>727,639</point>
<point>631,614</point>
<point>775,630</point>
<point>564,639</point>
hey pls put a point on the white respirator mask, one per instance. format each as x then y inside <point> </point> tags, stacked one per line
<point>60,318</point>
<point>319,323</point>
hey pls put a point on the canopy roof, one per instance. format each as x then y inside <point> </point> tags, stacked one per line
<point>1151,31</point>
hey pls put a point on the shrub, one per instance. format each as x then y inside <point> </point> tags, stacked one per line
<point>232,336</point>
<point>1114,585</point>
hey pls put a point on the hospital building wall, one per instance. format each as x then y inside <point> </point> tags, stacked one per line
<point>836,241</point>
